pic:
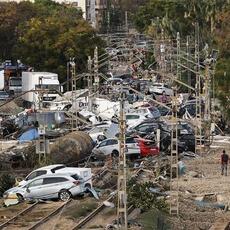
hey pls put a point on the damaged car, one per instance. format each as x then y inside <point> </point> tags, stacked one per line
<point>56,186</point>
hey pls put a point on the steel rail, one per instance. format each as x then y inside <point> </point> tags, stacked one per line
<point>8,222</point>
<point>91,215</point>
<point>50,215</point>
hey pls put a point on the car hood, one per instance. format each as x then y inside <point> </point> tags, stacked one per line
<point>14,189</point>
<point>96,150</point>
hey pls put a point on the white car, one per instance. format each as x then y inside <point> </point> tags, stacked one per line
<point>159,88</point>
<point>111,146</point>
<point>147,112</point>
<point>84,173</point>
<point>62,186</point>
<point>133,118</point>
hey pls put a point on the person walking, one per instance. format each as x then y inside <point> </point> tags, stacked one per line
<point>224,163</point>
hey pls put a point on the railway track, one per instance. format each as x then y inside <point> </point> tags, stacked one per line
<point>89,217</point>
<point>34,216</point>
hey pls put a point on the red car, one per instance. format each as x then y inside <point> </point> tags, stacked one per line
<point>147,147</point>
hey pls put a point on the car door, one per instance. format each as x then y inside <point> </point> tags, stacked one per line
<point>111,144</point>
<point>53,185</point>
<point>34,189</point>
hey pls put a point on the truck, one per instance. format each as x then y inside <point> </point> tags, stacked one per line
<point>15,85</point>
<point>10,77</point>
<point>39,81</point>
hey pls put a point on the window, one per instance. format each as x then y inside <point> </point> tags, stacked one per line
<point>141,111</point>
<point>153,109</point>
<point>35,183</point>
<point>36,174</point>
<point>103,143</point>
<point>130,140</point>
<point>112,142</point>
<point>129,117</point>
<point>146,128</point>
<point>50,87</point>
<point>75,177</point>
<point>15,82</point>
<point>53,180</point>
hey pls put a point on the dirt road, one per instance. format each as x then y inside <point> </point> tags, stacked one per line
<point>202,188</point>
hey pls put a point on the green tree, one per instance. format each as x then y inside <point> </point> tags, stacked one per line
<point>179,16</point>
<point>47,44</point>
<point>222,76</point>
<point>8,23</point>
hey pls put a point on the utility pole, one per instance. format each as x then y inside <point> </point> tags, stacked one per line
<point>163,52</point>
<point>72,66</point>
<point>174,202</point>
<point>188,63</point>
<point>96,77</point>
<point>126,22</point>
<point>121,183</point>
<point>198,125</point>
<point>207,104</point>
<point>207,97</point>
<point>67,75</point>
<point>90,84</point>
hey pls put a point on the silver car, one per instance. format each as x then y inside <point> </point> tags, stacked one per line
<point>61,186</point>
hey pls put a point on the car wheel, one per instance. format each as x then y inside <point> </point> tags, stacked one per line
<point>20,198</point>
<point>64,195</point>
<point>115,153</point>
<point>88,186</point>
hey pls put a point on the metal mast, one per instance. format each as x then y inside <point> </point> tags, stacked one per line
<point>174,202</point>
<point>96,77</point>
<point>198,90</point>
<point>72,66</point>
<point>90,84</point>
<point>121,184</point>
<point>207,105</point>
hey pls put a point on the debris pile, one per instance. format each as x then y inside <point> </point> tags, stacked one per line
<point>71,148</point>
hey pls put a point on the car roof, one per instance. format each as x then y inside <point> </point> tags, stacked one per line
<point>49,167</point>
<point>54,175</point>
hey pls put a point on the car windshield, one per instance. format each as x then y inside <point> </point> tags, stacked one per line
<point>129,117</point>
<point>36,174</point>
<point>15,82</point>
<point>50,87</point>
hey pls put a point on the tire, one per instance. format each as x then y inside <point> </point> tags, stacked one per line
<point>20,198</point>
<point>115,153</point>
<point>64,195</point>
<point>88,186</point>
